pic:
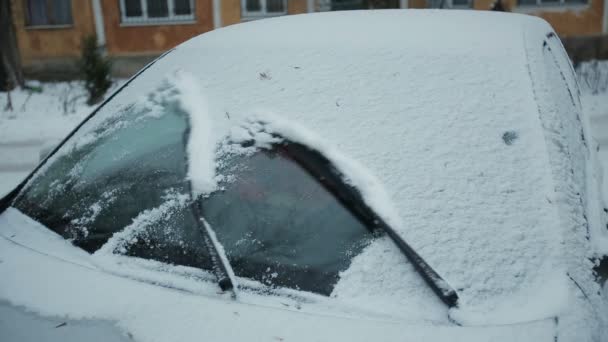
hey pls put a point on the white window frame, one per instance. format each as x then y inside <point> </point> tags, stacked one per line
<point>262,13</point>
<point>468,5</point>
<point>450,4</point>
<point>559,3</point>
<point>144,19</point>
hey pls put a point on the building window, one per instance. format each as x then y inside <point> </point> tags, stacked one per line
<point>263,8</point>
<point>551,2</point>
<point>49,12</point>
<point>349,5</point>
<point>156,11</point>
<point>459,3</point>
<point>345,5</point>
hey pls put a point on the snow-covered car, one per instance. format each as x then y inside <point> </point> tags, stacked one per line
<point>354,176</point>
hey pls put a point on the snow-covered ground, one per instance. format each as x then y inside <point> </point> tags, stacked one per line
<point>593,80</point>
<point>39,119</point>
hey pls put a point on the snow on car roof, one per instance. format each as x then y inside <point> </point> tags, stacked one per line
<point>431,114</point>
<point>423,100</point>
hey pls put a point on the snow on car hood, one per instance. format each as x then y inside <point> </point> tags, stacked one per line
<point>437,111</point>
<point>71,287</point>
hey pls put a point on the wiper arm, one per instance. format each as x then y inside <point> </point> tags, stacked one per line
<point>221,266</point>
<point>323,171</point>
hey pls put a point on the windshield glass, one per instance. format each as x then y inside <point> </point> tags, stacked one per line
<point>279,225</point>
<point>113,174</point>
<point>282,213</point>
<point>120,186</point>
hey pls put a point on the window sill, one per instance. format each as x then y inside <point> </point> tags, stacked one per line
<point>550,8</point>
<point>49,27</point>
<point>158,23</point>
<point>250,17</point>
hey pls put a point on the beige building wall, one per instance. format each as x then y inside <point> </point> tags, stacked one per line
<point>417,4</point>
<point>151,39</point>
<point>296,6</point>
<point>52,51</point>
<point>577,21</point>
<point>231,12</point>
<point>568,20</point>
<point>57,48</point>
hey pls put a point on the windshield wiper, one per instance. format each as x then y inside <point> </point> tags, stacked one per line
<point>321,169</point>
<point>326,174</point>
<point>220,263</point>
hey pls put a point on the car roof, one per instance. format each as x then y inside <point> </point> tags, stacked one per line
<point>419,103</point>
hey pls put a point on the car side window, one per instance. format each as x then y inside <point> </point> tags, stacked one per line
<point>279,225</point>
<point>123,173</point>
<point>564,66</point>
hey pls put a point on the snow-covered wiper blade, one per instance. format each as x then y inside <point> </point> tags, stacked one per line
<point>221,268</point>
<point>328,176</point>
<point>323,170</point>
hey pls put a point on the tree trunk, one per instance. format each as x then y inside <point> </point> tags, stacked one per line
<point>9,54</point>
<point>9,102</point>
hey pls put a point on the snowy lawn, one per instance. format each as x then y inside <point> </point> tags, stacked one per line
<point>593,80</point>
<point>596,108</point>
<point>39,119</point>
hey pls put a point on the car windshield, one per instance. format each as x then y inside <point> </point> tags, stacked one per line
<point>121,187</point>
<point>279,225</point>
<point>282,215</point>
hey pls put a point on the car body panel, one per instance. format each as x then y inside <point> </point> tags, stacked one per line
<point>444,132</point>
<point>69,283</point>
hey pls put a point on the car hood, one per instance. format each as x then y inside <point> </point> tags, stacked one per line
<point>56,282</point>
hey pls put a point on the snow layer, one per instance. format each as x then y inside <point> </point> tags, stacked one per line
<point>576,195</point>
<point>201,143</point>
<point>118,243</point>
<point>479,210</point>
<point>593,78</point>
<point>18,325</point>
<point>451,135</point>
<point>147,312</point>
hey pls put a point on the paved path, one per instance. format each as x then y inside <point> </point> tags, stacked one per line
<point>17,159</point>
